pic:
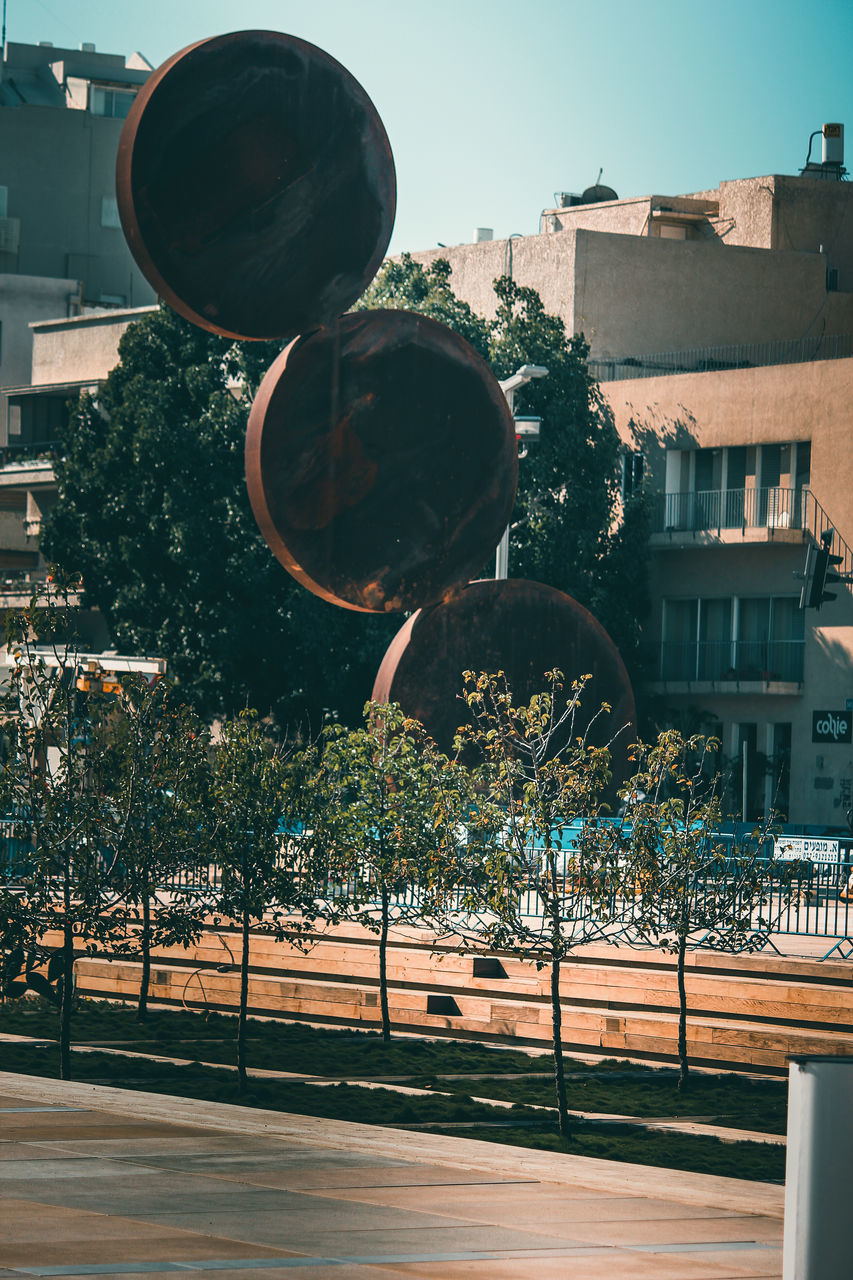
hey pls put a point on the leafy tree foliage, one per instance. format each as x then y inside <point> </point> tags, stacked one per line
<point>405,285</point>
<point>543,870</point>
<point>381,817</point>
<point>691,887</point>
<point>157,791</point>
<point>152,512</point>
<point>256,784</point>
<point>53,787</point>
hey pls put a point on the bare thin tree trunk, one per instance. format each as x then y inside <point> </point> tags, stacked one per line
<point>557,1042</point>
<point>242,1079</point>
<point>145,943</point>
<point>682,1015</point>
<point>383,966</point>
<point>67,994</point>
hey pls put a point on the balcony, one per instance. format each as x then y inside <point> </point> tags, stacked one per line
<point>731,666</point>
<point>764,513</point>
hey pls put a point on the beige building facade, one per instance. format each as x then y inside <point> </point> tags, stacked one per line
<point>720,326</point>
<point>748,468</point>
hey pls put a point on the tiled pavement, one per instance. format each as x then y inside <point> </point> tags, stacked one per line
<point>101,1182</point>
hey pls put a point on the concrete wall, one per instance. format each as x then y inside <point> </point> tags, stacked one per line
<point>634,295</point>
<point>627,217</point>
<point>640,295</point>
<point>59,166</point>
<point>543,262</point>
<point>25,298</point>
<point>80,348</point>
<point>810,213</point>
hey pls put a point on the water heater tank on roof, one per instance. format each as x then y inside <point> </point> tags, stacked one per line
<point>832,149</point>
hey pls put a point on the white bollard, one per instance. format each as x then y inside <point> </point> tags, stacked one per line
<point>818,1244</point>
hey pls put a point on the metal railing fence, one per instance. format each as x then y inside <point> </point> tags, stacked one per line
<point>732,660</point>
<point>743,355</point>
<point>805,898</point>
<point>771,507</point>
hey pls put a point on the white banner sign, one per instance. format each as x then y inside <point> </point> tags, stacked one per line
<point>807,848</point>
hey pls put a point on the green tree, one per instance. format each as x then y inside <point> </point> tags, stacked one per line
<point>157,791</point>
<point>381,817</point>
<point>405,285</point>
<point>692,887</point>
<point>152,512</point>
<point>263,883</point>
<point>544,869</point>
<point>54,782</point>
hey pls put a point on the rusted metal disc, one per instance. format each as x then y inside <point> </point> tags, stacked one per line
<point>381,461</point>
<point>519,627</point>
<point>255,185</point>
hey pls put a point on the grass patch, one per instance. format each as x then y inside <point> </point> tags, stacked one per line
<point>611,1086</point>
<point>748,1160</point>
<point>734,1101</point>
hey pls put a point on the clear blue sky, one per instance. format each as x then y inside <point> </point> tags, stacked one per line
<point>492,107</point>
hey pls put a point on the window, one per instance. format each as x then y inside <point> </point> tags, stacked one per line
<point>770,638</point>
<point>109,212</point>
<point>730,638</point>
<point>110,102</point>
<point>737,486</point>
<point>633,470</point>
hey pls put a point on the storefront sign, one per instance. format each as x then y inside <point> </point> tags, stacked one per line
<point>832,726</point>
<point>806,848</point>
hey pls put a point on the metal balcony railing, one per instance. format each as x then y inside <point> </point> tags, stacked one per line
<point>732,661</point>
<point>718,509</point>
<point>773,507</point>
<point>747,355</point>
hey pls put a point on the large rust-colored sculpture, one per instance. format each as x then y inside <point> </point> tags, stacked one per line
<point>519,627</point>
<point>255,185</point>
<point>381,461</point>
<point>257,193</point>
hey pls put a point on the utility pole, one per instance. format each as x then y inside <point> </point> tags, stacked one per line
<point>524,427</point>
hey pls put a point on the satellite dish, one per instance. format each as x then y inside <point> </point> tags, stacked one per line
<point>597,194</point>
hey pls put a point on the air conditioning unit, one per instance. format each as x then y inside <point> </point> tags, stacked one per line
<point>10,234</point>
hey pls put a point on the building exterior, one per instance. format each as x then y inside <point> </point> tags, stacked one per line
<point>720,326</point>
<point>62,251</point>
<point>69,355</point>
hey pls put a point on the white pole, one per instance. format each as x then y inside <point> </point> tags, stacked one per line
<point>816,1242</point>
<point>502,551</point>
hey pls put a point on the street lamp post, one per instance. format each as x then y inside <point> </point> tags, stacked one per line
<point>524,426</point>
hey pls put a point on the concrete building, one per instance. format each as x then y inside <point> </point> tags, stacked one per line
<point>62,251</point>
<point>720,326</point>
<point>68,356</point>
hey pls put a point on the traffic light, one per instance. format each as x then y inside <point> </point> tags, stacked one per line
<point>824,562</point>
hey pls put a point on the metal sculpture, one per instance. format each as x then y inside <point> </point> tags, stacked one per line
<point>381,461</point>
<point>519,627</point>
<point>255,185</point>
<point>256,189</point>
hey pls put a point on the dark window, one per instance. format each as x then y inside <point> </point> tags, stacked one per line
<point>633,471</point>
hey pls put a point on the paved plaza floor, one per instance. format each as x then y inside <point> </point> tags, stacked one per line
<point>100,1182</point>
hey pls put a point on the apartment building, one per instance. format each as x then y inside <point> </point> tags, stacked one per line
<point>720,326</point>
<point>62,251</point>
